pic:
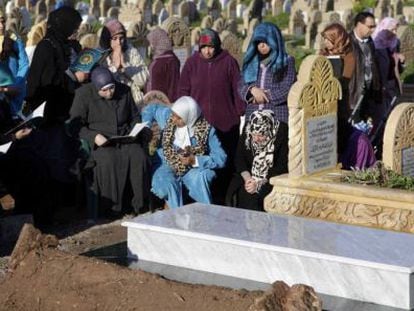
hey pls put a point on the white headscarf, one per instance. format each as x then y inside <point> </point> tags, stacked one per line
<point>189,111</point>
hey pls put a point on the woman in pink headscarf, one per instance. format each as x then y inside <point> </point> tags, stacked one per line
<point>165,66</point>
<point>389,59</point>
<point>124,61</point>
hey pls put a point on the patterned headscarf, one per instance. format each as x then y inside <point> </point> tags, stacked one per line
<point>269,33</point>
<point>209,37</point>
<point>383,37</point>
<point>159,41</point>
<point>336,34</point>
<point>262,122</point>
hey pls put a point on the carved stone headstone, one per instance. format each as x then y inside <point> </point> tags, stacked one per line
<point>312,28</point>
<point>113,13</point>
<point>163,16</point>
<point>406,36</point>
<point>253,24</point>
<point>331,17</point>
<point>231,43</point>
<point>287,6</point>
<point>398,148</point>
<point>347,19</point>
<point>240,8</point>
<point>40,8</point>
<point>231,9</point>
<point>94,8</point>
<point>202,6</point>
<point>277,7</point>
<point>383,9</point>
<point>214,8</point>
<point>130,14</point>
<point>172,7</point>
<point>219,25</point>
<point>179,34</point>
<point>36,33</point>
<point>84,28</point>
<point>312,103</point>
<point>297,23</point>
<point>146,9</point>
<point>207,22</point>
<point>195,37</point>
<point>184,12</point>
<point>137,35</point>
<point>398,7</point>
<point>89,41</point>
<point>157,6</point>
<point>104,7</point>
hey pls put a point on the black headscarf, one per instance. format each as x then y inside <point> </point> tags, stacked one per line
<point>63,22</point>
<point>101,77</point>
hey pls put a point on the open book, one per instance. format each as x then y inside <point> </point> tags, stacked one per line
<point>126,138</point>
<point>32,120</point>
<point>4,148</point>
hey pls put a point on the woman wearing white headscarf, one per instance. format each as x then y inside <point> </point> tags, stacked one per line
<point>189,153</point>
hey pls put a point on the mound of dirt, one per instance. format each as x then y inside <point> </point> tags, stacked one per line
<point>45,278</point>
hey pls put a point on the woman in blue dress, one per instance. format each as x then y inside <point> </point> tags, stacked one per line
<point>189,153</point>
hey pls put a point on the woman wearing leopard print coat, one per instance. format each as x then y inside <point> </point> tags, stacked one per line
<point>189,153</point>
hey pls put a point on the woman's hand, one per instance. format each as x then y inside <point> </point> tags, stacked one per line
<point>187,160</point>
<point>260,95</point>
<point>117,58</point>
<point>22,133</point>
<point>100,140</point>
<point>250,186</point>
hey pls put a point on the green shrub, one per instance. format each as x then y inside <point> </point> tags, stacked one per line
<point>362,5</point>
<point>281,20</point>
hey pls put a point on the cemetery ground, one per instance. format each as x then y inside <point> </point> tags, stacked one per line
<point>44,273</point>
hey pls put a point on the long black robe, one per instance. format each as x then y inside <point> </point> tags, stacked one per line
<point>244,161</point>
<point>118,164</point>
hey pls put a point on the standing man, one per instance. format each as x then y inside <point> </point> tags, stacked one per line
<point>365,81</point>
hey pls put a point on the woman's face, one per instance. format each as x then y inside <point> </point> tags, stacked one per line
<point>176,119</point>
<point>328,44</point>
<point>259,138</point>
<point>117,41</point>
<point>107,92</point>
<point>263,48</point>
<point>207,52</point>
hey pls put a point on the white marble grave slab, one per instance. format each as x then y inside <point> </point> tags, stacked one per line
<point>340,260</point>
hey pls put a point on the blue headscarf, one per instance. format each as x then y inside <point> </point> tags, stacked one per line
<point>269,33</point>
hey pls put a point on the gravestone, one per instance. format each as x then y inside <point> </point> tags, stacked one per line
<point>231,9</point>
<point>104,6</point>
<point>184,12</point>
<point>331,17</point>
<point>36,33</point>
<point>312,103</point>
<point>179,34</point>
<point>287,6</point>
<point>398,148</point>
<point>40,8</point>
<point>163,16</point>
<point>146,7</point>
<point>195,38</point>
<point>277,7</point>
<point>137,35</point>
<point>312,28</point>
<point>219,24</point>
<point>231,43</point>
<point>347,19</point>
<point>130,14</point>
<point>113,13</point>
<point>383,9</point>
<point>398,7</point>
<point>157,6</point>
<point>253,24</point>
<point>297,25</point>
<point>50,4</point>
<point>214,8</point>
<point>202,6</point>
<point>406,36</point>
<point>84,28</point>
<point>172,7</point>
<point>207,22</point>
<point>240,8</point>
<point>94,8</point>
<point>89,41</point>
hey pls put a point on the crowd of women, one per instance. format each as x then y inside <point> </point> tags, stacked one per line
<point>205,154</point>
